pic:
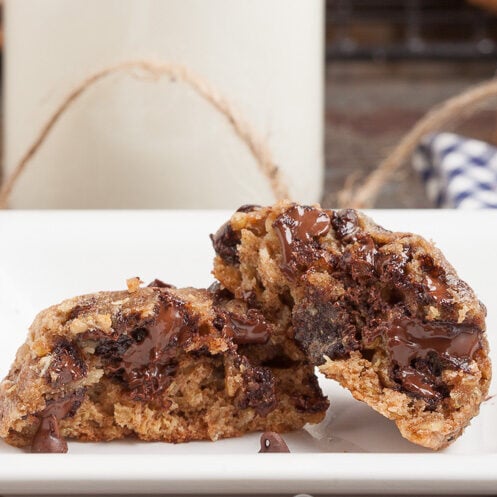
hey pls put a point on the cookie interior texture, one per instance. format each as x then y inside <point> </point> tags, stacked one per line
<point>383,313</point>
<point>158,363</point>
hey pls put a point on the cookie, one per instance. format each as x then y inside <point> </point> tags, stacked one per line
<point>155,363</point>
<point>383,313</point>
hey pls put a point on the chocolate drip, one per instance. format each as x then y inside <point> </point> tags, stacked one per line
<point>410,340</point>
<point>297,227</point>
<point>273,442</point>
<point>145,359</point>
<point>251,328</point>
<point>47,438</point>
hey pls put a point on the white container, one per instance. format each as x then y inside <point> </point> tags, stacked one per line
<point>130,143</point>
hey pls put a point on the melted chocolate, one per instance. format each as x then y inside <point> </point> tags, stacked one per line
<point>410,340</point>
<point>437,289</point>
<point>48,438</point>
<point>148,364</point>
<point>64,407</point>
<point>251,328</point>
<point>367,250</point>
<point>392,267</point>
<point>225,243</point>
<point>359,258</point>
<point>296,226</point>
<point>418,384</point>
<point>273,442</point>
<point>67,364</point>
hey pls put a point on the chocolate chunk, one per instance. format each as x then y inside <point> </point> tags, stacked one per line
<point>297,229</point>
<point>346,225</point>
<point>416,383</point>
<point>113,349</point>
<point>410,340</point>
<point>123,321</point>
<point>359,258</point>
<point>367,250</point>
<point>258,390</point>
<point>251,328</point>
<point>67,364</point>
<point>324,327</point>
<point>432,290</point>
<point>392,267</point>
<point>214,287</point>
<point>225,243</point>
<point>219,294</point>
<point>78,310</point>
<point>273,442</point>
<point>48,438</point>
<point>159,284</point>
<point>248,208</point>
<point>309,403</point>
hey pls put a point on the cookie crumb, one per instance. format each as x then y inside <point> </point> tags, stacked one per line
<point>133,284</point>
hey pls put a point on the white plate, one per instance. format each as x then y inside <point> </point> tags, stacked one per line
<point>46,257</point>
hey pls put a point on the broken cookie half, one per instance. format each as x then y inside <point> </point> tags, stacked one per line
<point>157,363</point>
<point>383,313</point>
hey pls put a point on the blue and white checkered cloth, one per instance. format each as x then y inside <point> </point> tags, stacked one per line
<point>457,171</point>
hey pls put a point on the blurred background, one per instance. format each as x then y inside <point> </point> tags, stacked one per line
<point>387,63</point>
<point>330,87</point>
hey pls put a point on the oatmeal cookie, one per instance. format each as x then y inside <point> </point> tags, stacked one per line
<point>383,313</point>
<point>157,363</point>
